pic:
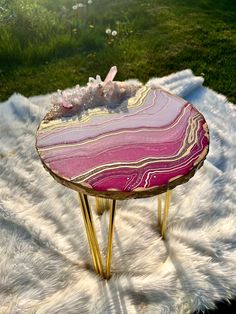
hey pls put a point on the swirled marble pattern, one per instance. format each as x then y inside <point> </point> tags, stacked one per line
<point>156,138</point>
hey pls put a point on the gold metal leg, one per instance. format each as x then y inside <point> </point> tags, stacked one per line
<point>165,216</point>
<point>102,205</point>
<point>92,238</point>
<point>91,234</point>
<point>107,204</point>
<point>159,213</point>
<point>88,233</point>
<point>110,236</point>
<point>162,219</point>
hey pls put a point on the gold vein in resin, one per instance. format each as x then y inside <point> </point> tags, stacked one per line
<point>194,121</point>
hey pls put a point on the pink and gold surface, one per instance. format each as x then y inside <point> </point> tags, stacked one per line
<point>155,140</point>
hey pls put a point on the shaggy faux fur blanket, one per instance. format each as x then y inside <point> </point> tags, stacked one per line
<point>45,264</point>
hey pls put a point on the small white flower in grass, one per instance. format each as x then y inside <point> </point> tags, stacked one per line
<point>114,33</point>
<point>90,1</point>
<point>75,7</point>
<point>108,31</point>
<point>80,5</point>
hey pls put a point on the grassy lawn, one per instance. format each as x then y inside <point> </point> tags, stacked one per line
<point>46,45</point>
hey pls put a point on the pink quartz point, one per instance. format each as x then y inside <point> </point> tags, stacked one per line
<point>67,105</point>
<point>111,75</point>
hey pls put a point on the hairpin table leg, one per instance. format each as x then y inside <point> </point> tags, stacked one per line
<point>92,238</point>
<point>91,234</point>
<point>102,205</point>
<point>159,213</point>
<point>83,208</point>
<point>162,221</point>
<point>110,236</point>
<point>165,216</point>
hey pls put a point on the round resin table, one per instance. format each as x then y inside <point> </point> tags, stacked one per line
<point>153,142</point>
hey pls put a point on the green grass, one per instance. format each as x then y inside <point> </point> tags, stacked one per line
<point>44,47</point>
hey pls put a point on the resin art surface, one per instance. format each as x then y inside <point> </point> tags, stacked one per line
<point>151,140</point>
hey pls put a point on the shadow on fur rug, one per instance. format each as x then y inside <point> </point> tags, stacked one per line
<point>45,265</point>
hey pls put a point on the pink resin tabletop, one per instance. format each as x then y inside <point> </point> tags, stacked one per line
<point>154,142</point>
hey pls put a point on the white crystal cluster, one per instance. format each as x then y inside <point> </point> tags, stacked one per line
<point>97,93</point>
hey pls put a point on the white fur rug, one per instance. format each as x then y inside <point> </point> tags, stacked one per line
<point>45,265</point>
